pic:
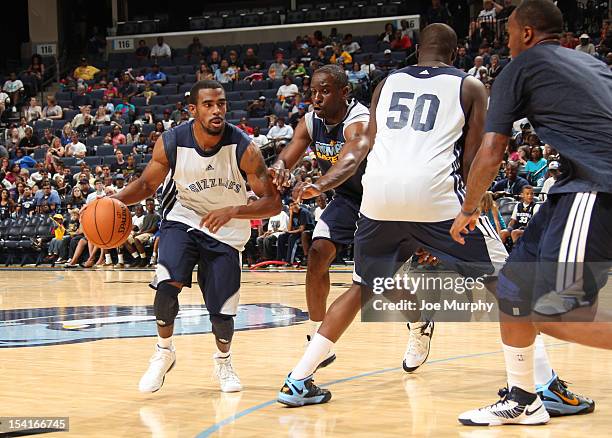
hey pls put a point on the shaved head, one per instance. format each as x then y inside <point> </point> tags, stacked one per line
<point>437,40</point>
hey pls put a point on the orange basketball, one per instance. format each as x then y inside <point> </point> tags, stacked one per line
<point>107,222</point>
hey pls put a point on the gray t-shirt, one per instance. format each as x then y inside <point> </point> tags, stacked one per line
<point>567,97</point>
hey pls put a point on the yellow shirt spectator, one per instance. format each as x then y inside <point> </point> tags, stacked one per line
<point>84,71</point>
<point>348,59</point>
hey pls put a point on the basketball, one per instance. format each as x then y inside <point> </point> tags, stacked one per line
<point>107,223</point>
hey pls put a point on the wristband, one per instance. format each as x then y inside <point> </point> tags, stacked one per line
<point>467,213</point>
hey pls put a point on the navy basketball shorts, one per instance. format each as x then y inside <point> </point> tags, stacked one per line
<point>181,247</point>
<point>562,259</point>
<point>382,247</point>
<point>338,221</point>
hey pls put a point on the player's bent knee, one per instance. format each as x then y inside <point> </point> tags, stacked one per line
<point>222,327</point>
<point>322,252</point>
<point>166,303</point>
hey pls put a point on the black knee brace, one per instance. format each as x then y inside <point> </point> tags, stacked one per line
<point>222,327</point>
<point>166,304</point>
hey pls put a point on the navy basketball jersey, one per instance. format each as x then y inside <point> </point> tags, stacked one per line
<point>201,181</point>
<point>524,212</point>
<point>328,140</point>
<point>413,170</point>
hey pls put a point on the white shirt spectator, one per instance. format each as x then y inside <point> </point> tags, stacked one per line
<point>277,132</point>
<point>546,186</point>
<point>137,221</point>
<point>490,14</point>
<point>352,47</point>
<point>12,86</point>
<point>279,223</point>
<point>261,140</point>
<point>77,149</point>
<point>368,68</point>
<point>161,51</point>
<point>3,99</point>
<point>93,196</point>
<point>318,212</point>
<point>589,49</point>
<point>287,91</point>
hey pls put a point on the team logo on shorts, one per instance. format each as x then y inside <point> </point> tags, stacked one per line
<point>68,325</point>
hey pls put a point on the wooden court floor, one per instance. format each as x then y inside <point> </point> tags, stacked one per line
<point>76,343</point>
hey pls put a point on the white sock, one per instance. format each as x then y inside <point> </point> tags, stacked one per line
<point>107,259</point>
<point>222,355</point>
<point>543,372</point>
<point>154,255</point>
<point>135,255</point>
<point>143,255</point>
<point>314,328</point>
<point>315,353</point>
<point>120,258</point>
<point>164,342</point>
<point>519,367</point>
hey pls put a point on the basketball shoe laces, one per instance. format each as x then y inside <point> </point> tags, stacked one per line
<point>226,373</point>
<point>418,344</point>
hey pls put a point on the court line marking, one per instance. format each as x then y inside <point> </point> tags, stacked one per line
<point>229,420</point>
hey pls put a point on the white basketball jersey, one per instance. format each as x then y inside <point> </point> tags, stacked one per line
<point>413,170</point>
<point>200,182</point>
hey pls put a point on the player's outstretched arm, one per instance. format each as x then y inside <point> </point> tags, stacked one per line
<point>268,204</point>
<point>474,100</point>
<point>483,171</point>
<point>151,178</point>
<point>280,170</point>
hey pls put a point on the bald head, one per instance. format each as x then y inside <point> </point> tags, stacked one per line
<point>438,42</point>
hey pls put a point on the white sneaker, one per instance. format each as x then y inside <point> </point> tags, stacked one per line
<point>419,344</point>
<point>161,362</point>
<point>228,380</point>
<point>331,356</point>
<point>515,407</point>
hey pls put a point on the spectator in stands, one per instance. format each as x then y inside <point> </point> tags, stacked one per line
<point>522,137</point>
<point>258,138</point>
<point>36,69</point>
<point>195,49</point>
<point>119,183</point>
<point>126,108</point>
<point>225,74</point>
<point>258,108</point>
<point>55,151</point>
<point>140,145</point>
<point>176,113</point>
<point>463,61</point>
<point>340,55</point>
<point>111,91</point>
<point>79,119</point>
<point>81,98</point>
<point>13,174</point>
<point>75,148</point>
<point>23,160</point>
<point>287,91</point>
<point>76,199</point>
<point>58,230</point>
<point>5,101</point>
<point>488,11</point>
<point>148,93</point>
<point>296,69</point>
<point>127,88</point>
<point>101,117</point>
<point>47,137</point>
<point>52,110</point>
<point>87,129</point>
<point>437,13</point>
<point>554,171</point>
<point>156,78</point>
<point>14,88</point>
<point>136,241</point>
<point>214,60</point>
<point>489,208</point>
<point>358,80</point>
<point>7,205</point>
<point>23,125</point>
<point>166,121</point>
<point>349,45</point>
<point>276,226</point>
<point>98,193</point>
<point>204,73</point>
<point>32,111</point>
<point>478,64</point>
<point>66,134</point>
<point>243,124</point>
<point>30,142</point>
<point>504,11</point>
<point>299,220</point>
<point>298,115</point>
<point>117,137</point>
<point>586,46</point>
<point>132,135</point>
<point>536,167</point>
<point>40,173</point>
<point>388,34</point>
<point>512,184</point>
<point>387,64</point>
<point>400,41</point>
<point>130,165</point>
<point>26,205</point>
<point>142,51</point>
<point>496,67</point>
<point>85,71</point>
<point>161,49</point>
<point>368,66</point>
<point>277,68</point>
<point>569,41</point>
<point>251,62</point>
<point>521,215</point>
<point>281,133</point>
<point>48,201</point>
<point>108,106</point>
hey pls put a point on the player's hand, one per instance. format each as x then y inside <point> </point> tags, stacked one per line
<point>280,176</point>
<point>426,258</point>
<point>82,210</point>
<point>215,219</point>
<point>305,190</point>
<point>463,224</point>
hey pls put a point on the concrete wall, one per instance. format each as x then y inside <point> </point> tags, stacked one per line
<point>43,19</point>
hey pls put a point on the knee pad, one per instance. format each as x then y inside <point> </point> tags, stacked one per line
<point>166,304</point>
<point>222,327</point>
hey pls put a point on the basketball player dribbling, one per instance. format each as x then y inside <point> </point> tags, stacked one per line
<point>552,278</point>
<point>335,130</point>
<point>423,119</point>
<point>205,165</point>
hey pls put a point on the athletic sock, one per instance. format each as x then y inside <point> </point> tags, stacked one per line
<point>120,258</point>
<point>164,342</point>
<point>222,354</point>
<point>519,367</point>
<point>107,259</point>
<point>314,328</point>
<point>135,255</point>
<point>143,255</point>
<point>315,353</point>
<point>543,372</point>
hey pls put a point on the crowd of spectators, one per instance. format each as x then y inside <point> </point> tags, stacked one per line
<point>66,153</point>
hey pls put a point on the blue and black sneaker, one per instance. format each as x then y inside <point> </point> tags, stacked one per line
<point>560,401</point>
<point>302,392</point>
